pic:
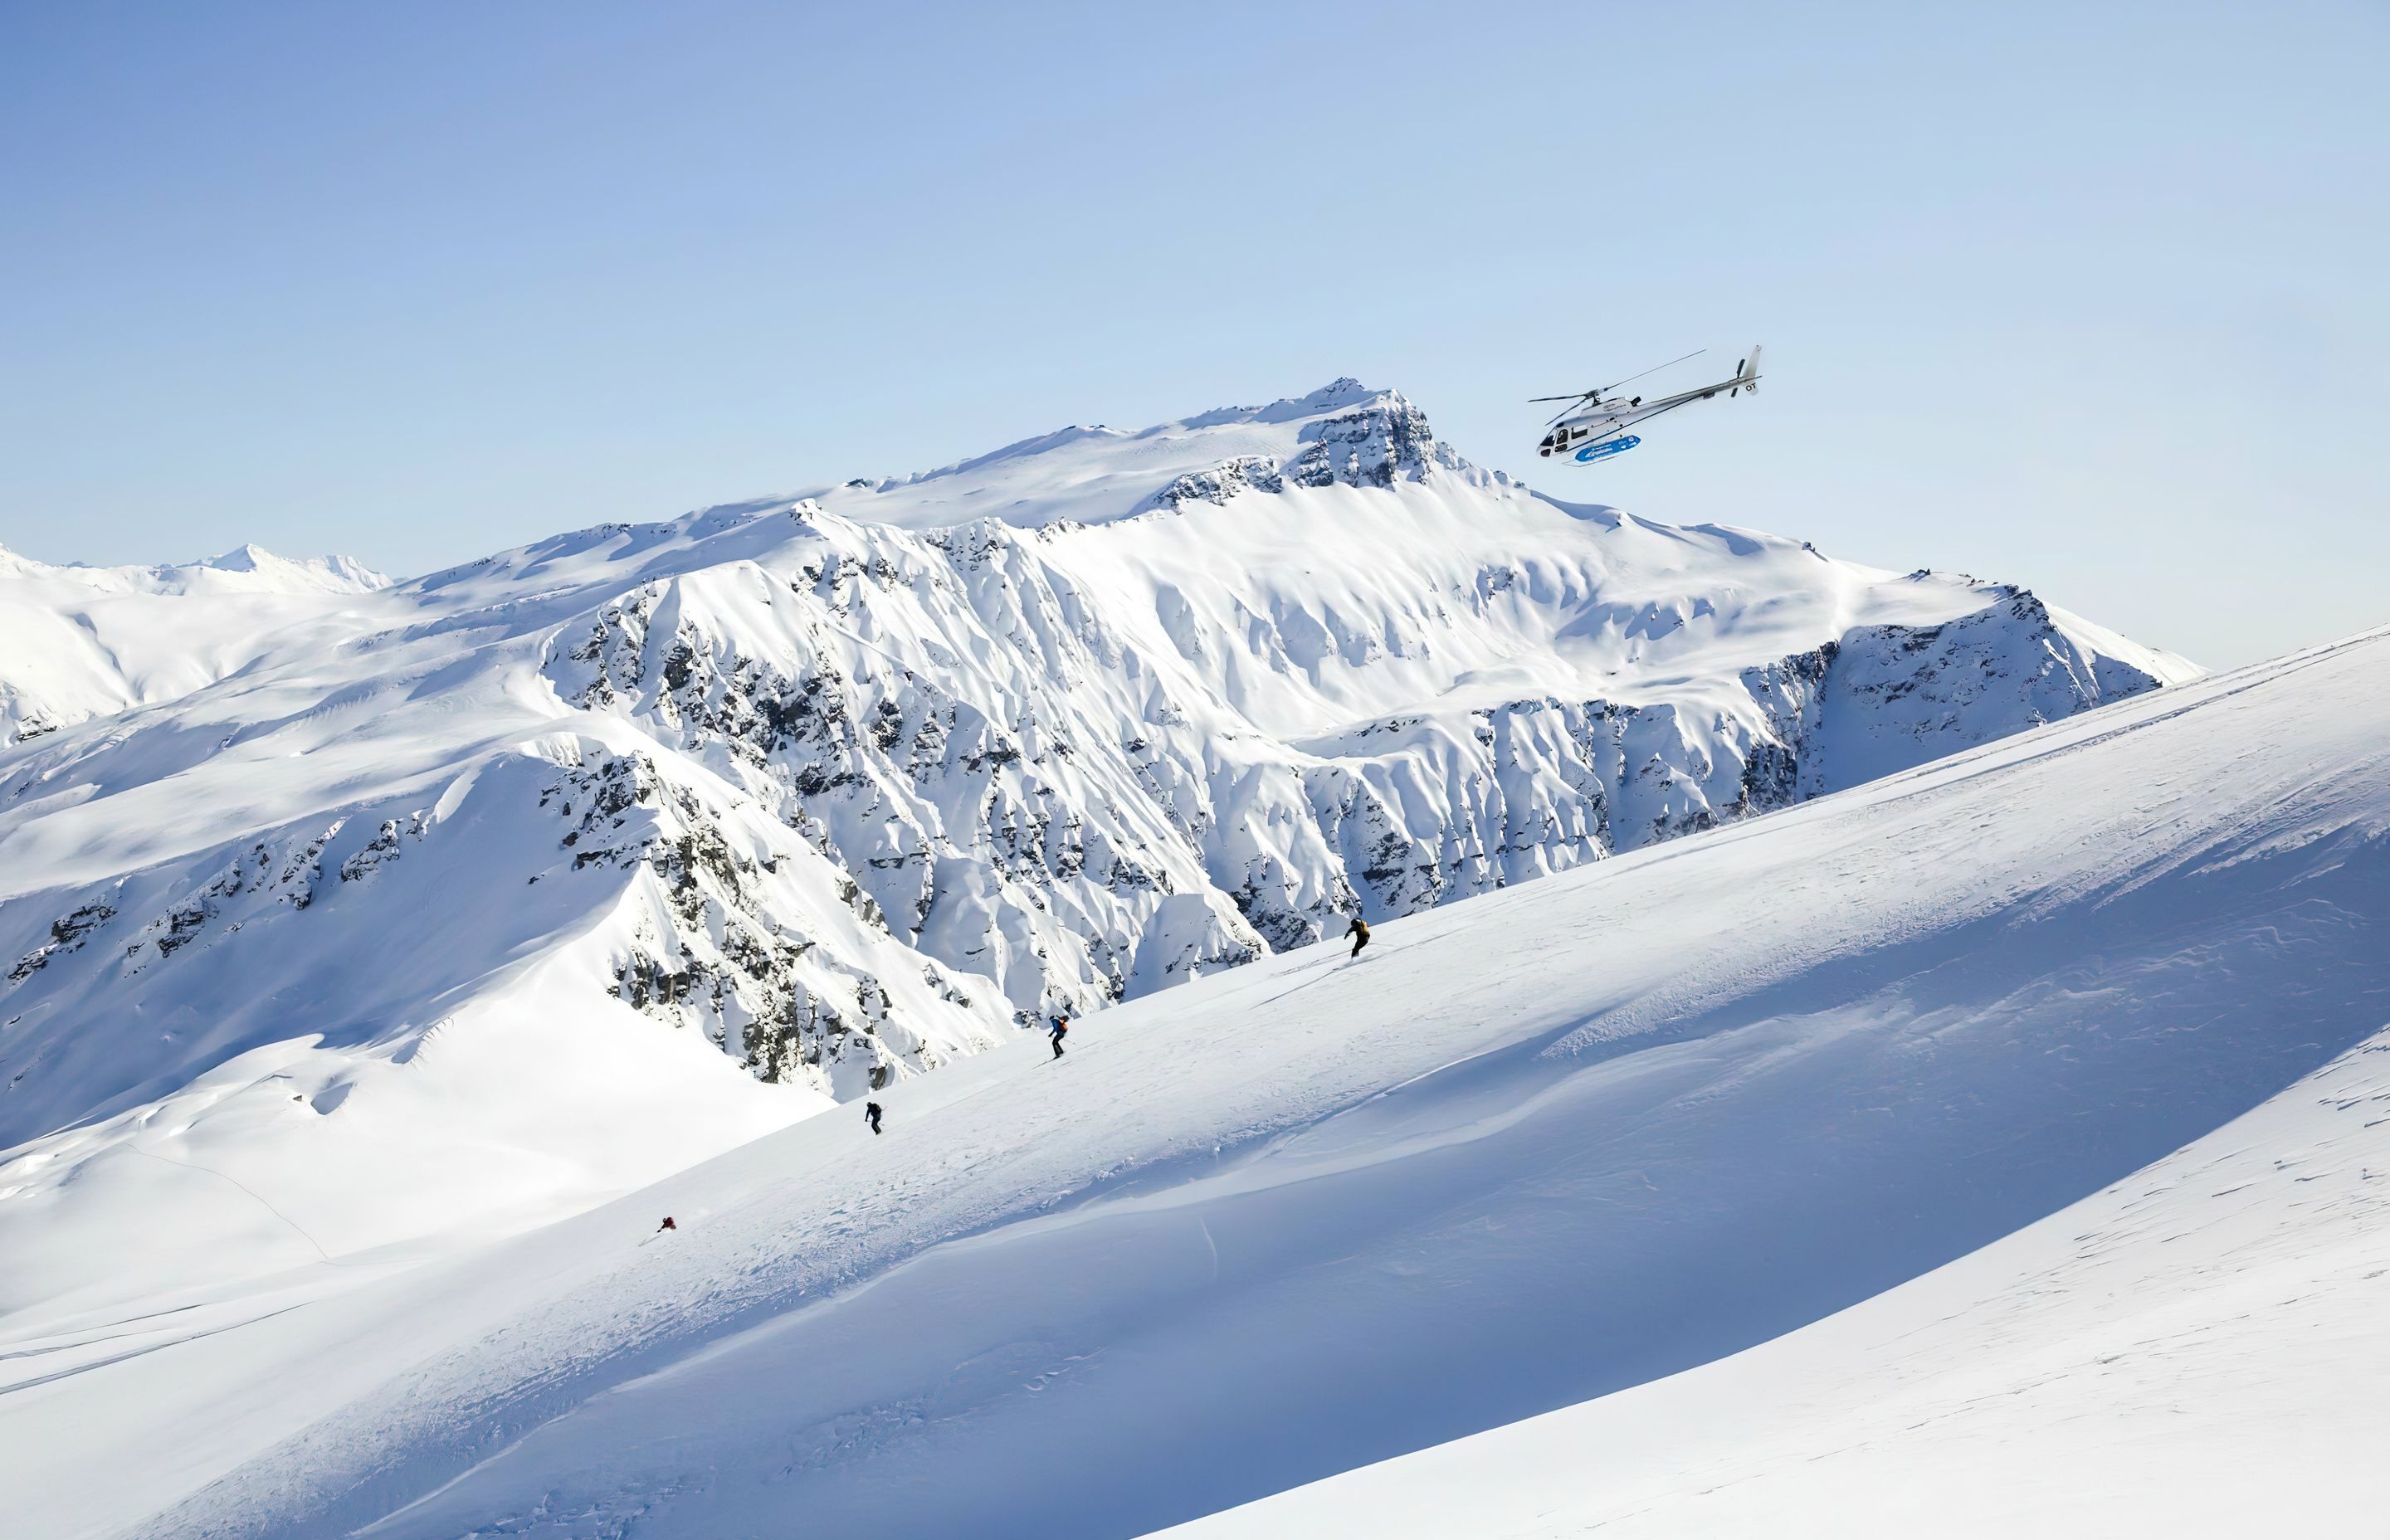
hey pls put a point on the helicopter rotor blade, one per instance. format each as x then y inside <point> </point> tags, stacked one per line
<point>1653,370</point>
<point>1601,391</point>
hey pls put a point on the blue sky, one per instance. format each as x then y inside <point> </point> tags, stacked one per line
<point>2083,297</point>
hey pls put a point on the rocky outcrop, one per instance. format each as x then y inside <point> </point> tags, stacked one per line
<point>1017,789</point>
<point>1370,446</point>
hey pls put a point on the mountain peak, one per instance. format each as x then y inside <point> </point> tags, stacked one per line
<point>332,574</point>
<point>244,558</point>
<point>1343,391</point>
<point>1343,433</point>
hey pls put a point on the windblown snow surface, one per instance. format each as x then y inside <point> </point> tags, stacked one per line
<point>2072,1042</point>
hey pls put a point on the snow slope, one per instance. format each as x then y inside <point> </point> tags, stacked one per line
<point>2197,1350</point>
<point>347,938</point>
<point>1528,1150</point>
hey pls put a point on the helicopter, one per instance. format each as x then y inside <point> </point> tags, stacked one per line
<point>1593,425</point>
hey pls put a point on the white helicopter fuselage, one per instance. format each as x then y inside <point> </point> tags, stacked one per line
<point>1587,432</point>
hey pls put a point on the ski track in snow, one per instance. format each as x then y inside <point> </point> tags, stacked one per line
<point>1561,1141</point>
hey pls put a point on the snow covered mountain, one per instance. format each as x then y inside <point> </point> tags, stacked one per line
<point>843,785</point>
<point>1565,1140</point>
<point>79,641</point>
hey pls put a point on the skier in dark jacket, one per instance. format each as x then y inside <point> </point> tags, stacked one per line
<point>1360,932</point>
<point>1060,1027</point>
<point>871,1115</point>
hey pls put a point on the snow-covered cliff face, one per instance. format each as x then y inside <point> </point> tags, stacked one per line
<point>1347,675</point>
<point>841,785</point>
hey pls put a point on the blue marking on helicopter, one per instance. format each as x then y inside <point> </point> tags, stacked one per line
<point>1608,447</point>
